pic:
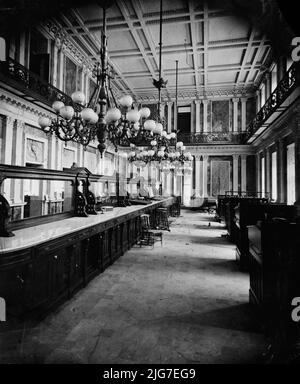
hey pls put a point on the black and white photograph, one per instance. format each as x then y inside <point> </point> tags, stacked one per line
<point>149,185</point>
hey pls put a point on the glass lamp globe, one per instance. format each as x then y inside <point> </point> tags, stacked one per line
<point>153,143</point>
<point>145,112</point>
<point>133,116</point>
<point>87,114</point>
<point>78,97</point>
<point>149,125</point>
<point>136,126</point>
<point>159,128</point>
<point>44,122</point>
<point>113,114</point>
<point>67,112</point>
<point>94,118</point>
<point>126,101</point>
<point>57,105</point>
<point>179,144</point>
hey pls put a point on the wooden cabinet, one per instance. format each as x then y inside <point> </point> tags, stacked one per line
<point>92,257</point>
<point>76,267</point>
<point>38,279</point>
<point>16,275</point>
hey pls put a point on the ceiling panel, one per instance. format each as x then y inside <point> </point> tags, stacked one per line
<point>215,47</point>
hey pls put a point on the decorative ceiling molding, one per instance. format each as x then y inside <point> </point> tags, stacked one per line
<point>220,53</point>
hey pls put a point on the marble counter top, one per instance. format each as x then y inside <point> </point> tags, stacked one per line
<point>33,236</point>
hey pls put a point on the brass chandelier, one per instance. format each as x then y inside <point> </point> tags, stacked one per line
<point>102,118</point>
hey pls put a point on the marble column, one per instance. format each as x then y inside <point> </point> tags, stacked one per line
<point>172,177</point>
<point>197,127</point>
<point>243,114</point>
<point>205,104</point>
<point>61,61</point>
<point>18,160</point>
<point>197,175</point>
<point>55,66</point>
<point>257,100</point>
<point>244,173</point>
<point>268,170</point>
<point>235,114</point>
<point>169,125</point>
<point>268,84</point>
<point>192,123</point>
<point>7,151</point>
<point>86,84</point>
<point>22,48</point>
<point>258,175</point>
<point>187,189</point>
<point>162,111</point>
<point>205,162</point>
<point>82,79</point>
<point>59,155</point>
<point>235,173</point>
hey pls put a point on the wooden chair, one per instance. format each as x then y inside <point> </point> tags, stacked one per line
<point>149,236</point>
<point>162,221</point>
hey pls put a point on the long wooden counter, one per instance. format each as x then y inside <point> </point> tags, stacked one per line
<point>42,266</point>
<point>33,236</point>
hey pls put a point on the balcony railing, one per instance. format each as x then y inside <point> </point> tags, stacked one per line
<point>32,85</point>
<point>286,86</point>
<point>212,138</point>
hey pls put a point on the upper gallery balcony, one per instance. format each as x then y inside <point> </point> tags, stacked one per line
<point>284,95</point>
<point>212,138</point>
<point>22,82</point>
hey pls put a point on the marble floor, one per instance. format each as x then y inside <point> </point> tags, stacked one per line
<point>185,302</point>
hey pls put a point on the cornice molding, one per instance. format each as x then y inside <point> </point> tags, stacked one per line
<point>24,106</point>
<point>221,150</point>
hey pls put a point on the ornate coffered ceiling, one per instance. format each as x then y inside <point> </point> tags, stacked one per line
<point>220,52</point>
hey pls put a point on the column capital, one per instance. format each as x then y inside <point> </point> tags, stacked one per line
<point>235,99</point>
<point>197,102</point>
<point>235,156</point>
<point>10,120</point>
<point>205,101</point>
<point>20,124</point>
<point>170,103</point>
<point>197,157</point>
<point>205,157</point>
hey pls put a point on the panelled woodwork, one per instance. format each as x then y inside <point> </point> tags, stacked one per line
<point>36,280</point>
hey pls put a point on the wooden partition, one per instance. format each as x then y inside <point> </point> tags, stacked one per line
<point>274,282</point>
<point>249,212</point>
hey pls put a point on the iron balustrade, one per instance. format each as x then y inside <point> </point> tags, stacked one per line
<point>32,84</point>
<point>285,87</point>
<point>212,137</point>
